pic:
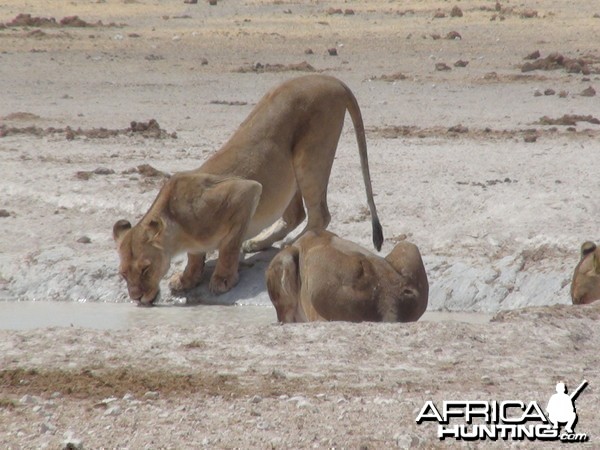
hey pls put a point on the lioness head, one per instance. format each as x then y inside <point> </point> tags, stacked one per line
<point>143,260</point>
<point>585,287</point>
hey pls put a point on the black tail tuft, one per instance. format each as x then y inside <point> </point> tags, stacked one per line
<point>377,234</point>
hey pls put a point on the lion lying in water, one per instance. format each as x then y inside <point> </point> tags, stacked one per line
<point>324,277</point>
<point>277,163</point>
<point>585,287</point>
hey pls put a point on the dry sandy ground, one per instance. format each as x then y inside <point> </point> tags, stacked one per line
<point>498,219</point>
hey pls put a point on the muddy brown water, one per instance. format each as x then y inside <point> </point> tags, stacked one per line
<point>115,316</point>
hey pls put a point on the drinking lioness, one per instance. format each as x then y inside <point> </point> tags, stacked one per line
<point>324,277</point>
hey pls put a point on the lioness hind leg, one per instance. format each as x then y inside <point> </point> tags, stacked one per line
<point>292,217</point>
<point>313,159</point>
<point>192,274</point>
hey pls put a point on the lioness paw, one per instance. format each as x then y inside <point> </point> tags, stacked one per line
<point>179,282</point>
<point>251,246</point>
<point>221,284</point>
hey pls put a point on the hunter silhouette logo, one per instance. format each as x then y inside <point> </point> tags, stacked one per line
<point>561,406</point>
<point>511,419</point>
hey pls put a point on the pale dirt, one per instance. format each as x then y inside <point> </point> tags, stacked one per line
<point>498,220</point>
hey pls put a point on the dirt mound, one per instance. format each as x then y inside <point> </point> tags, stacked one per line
<point>555,61</point>
<point>568,120</point>
<point>398,76</point>
<point>262,68</point>
<point>150,129</point>
<point>27,20</point>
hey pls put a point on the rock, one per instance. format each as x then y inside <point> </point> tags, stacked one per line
<point>442,67</point>
<point>128,397</point>
<point>84,240</point>
<point>461,63</point>
<point>454,35</point>
<point>72,444</point>
<point>456,12</point>
<point>256,399</point>
<point>28,400</point>
<point>588,92</point>
<point>332,51</point>
<point>103,171</point>
<point>308,51</point>
<point>151,395</point>
<point>530,138</point>
<point>549,92</point>
<point>114,410</point>
<point>4,213</point>
<point>533,55</point>
<point>46,427</point>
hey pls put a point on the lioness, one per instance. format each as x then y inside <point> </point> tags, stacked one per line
<point>277,163</point>
<point>585,287</point>
<point>324,277</point>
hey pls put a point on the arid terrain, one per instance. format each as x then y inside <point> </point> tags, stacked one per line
<point>483,130</point>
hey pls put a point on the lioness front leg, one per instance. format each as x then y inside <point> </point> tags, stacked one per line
<point>191,275</point>
<point>236,218</point>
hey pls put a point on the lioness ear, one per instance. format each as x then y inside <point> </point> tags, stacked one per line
<point>155,227</point>
<point>120,228</point>
<point>587,248</point>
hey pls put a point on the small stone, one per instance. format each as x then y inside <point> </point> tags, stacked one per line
<point>442,67</point>
<point>308,51</point>
<point>454,35</point>
<point>278,374</point>
<point>456,12</point>
<point>4,213</point>
<point>151,395</point>
<point>256,399</point>
<point>549,92</point>
<point>486,380</point>
<point>84,240</point>
<point>537,93</point>
<point>332,51</point>
<point>348,12</point>
<point>128,397</point>
<point>533,55</point>
<point>588,92</point>
<point>563,94</point>
<point>212,2</point>
<point>114,410</point>
<point>530,138</point>
<point>72,444</point>
<point>47,427</point>
<point>103,171</point>
<point>439,14</point>
<point>28,400</point>
<point>461,63</point>
<point>203,62</point>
